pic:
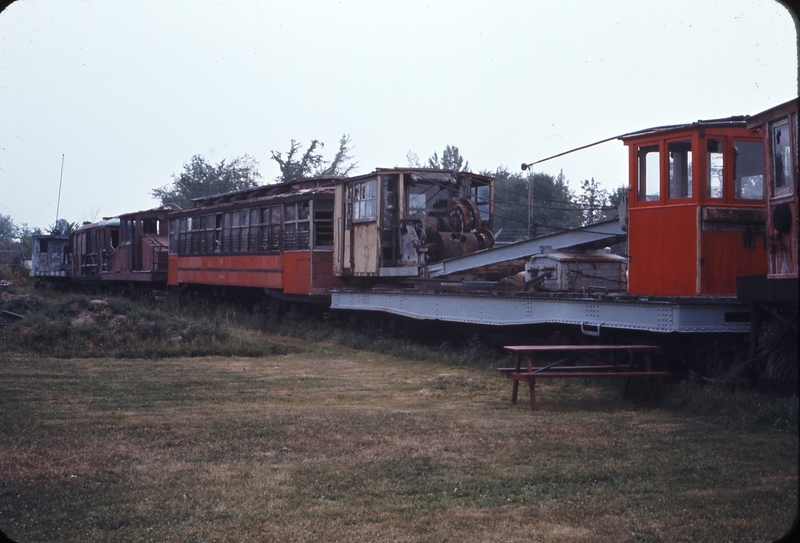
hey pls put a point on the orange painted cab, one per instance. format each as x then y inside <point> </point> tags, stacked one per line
<point>696,208</point>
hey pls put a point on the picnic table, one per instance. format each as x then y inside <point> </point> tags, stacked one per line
<point>531,373</point>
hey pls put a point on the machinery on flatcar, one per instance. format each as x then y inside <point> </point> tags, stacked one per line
<point>393,222</point>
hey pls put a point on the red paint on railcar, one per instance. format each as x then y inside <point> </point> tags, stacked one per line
<point>696,208</point>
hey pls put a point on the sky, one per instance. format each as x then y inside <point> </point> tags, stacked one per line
<point>127,92</point>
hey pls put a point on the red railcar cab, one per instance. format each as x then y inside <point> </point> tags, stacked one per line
<point>696,208</point>
<point>275,237</point>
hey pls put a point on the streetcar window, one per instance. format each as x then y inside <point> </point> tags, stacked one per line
<point>749,169</point>
<point>714,166</point>
<point>782,157</point>
<point>365,200</point>
<point>323,224</point>
<point>680,169</point>
<point>649,187</point>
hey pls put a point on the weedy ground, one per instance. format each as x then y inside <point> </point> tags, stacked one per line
<point>323,437</point>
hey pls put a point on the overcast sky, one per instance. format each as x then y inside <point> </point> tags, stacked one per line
<point>129,91</point>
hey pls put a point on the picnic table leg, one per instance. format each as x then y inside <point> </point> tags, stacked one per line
<point>532,387</point>
<point>628,380</point>
<point>650,391</point>
<point>515,387</point>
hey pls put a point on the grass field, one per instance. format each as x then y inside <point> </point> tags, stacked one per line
<point>329,443</point>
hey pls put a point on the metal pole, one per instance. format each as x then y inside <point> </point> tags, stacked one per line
<point>61,178</point>
<point>530,202</point>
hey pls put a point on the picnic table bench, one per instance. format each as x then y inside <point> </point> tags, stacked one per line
<point>530,373</point>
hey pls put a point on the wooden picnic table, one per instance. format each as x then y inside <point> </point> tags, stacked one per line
<point>556,370</point>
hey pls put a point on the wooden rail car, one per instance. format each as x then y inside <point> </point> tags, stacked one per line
<point>696,213</point>
<point>278,238</point>
<point>50,257</point>
<point>773,295</point>
<point>391,223</point>
<point>128,248</point>
<point>779,130</point>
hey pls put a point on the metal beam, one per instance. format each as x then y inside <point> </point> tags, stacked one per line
<point>685,315</point>
<point>595,235</point>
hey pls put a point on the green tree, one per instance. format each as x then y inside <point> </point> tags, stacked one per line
<point>199,179</point>
<point>593,201</point>
<point>552,207</point>
<point>62,227</point>
<point>26,238</point>
<point>451,160</point>
<point>311,163</point>
<point>8,230</point>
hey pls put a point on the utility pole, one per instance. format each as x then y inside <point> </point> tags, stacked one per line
<point>530,203</point>
<point>60,179</point>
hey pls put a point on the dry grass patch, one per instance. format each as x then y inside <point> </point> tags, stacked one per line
<point>341,445</point>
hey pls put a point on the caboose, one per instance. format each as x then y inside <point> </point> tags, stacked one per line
<point>696,211</point>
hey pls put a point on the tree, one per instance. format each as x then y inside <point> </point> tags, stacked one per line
<point>199,179</point>
<point>8,230</point>
<point>26,238</point>
<point>593,200</point>
<point>62,227</point>
<point>338,166</point>
<point>551,205</point>
<point>311,163</point>
<point>451,160</point>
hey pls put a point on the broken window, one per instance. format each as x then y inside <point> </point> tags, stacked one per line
<point>782,157</point>
<point>749,169</point>
<point>323,224</point>
<point>150,227</point>
<point>365,200</point>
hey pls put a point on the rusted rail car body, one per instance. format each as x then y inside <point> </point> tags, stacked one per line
<point>278,238</point>
<point>779,130</point>
<point>128,248</point>
<point>773,296</point>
